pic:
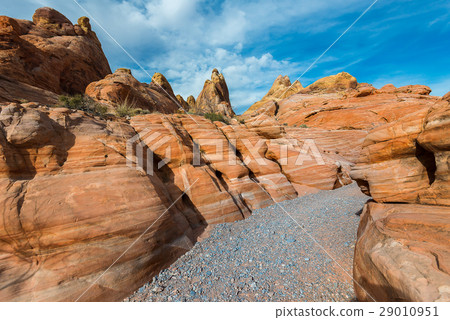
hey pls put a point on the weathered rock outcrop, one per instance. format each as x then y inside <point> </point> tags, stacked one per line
<point>339,103</point>
<point>122,88</point>
<point>403,250</point>
<point>446,97</point>
<point>162,82</point>
<point>339,82</point>
<point>281,88</point>
<point>184,105</point>
<point>214,98</point>
<point>402,253</point>
<point>406,161</point>
<point>191,102</point>
<point>12,90</point>
<point>350,110</point>
<point>72,205</point>
<point>49,53</point>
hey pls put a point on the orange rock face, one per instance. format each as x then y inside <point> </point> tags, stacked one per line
<point>339,82</point>
<point>406,161</point>
<point>403,250</point>
<point>338,111</point>
<point>72,203</point>
<point>214,97</point>
<point>122,88</point>
<point>50,53</point>
<point>281,88</point>
<point>403,253</point>
<point>71,206</point>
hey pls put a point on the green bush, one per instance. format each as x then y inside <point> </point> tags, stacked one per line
<point>216,117</point>
<point>100,109</point>
<point>303,126</point>
<point>84,103</point>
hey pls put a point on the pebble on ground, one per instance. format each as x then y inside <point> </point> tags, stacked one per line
<point>269,256</point>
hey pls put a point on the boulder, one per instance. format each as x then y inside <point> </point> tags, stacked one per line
<point>412,89</point>
<point>340,82</point>
<point>50,53</point>
<point>402,253</point>
<point>122,88</point>
<point>214,98</point>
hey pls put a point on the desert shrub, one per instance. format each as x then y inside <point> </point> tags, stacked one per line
<point>303,126</point>
<point>100,109</point>
<point>127,109</point>
<point>84,103</point>
<point>216,117</point>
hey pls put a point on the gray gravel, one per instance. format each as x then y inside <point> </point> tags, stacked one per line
<point>268,257</point>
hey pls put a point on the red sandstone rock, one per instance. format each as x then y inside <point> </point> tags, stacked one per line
<point>406,161</point>
<point>50,53</point>
<point>402,253</point>
<point>122,88</point>
<point>337,111</point>
<point>339,82</point>
<point>71,206</point>
<point>214,97</point>
<point>253,148</point>
<point>281,88</point>
<point>183,103</point>
<point>446,97</point>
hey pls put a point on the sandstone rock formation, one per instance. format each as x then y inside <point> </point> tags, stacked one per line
<point>403,250</point>
<point>161,81</point>
<point>49,53</point>
<point>122,88</point>
<point>58,160</point>
<point>402,253</point>
<point>70,206</point>
<point>214,98</point>
<point>191,102</point>
<point>339,82</point>
<point>446,97</point>
<point>338,111</point>
<point>184,105</point>
<point>406,161</point>
<point>339,103</point>
<point>281,88</point>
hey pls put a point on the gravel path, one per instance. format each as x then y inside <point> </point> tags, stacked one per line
<point>268,257</point>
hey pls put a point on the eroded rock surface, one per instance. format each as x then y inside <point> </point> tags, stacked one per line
<point>281,88</point>
<point>49,53</point>
<point>402,253</point>
<point>72,205</point>
<point>403,249</point>
<point>121,88</point>
<point>214,97</point>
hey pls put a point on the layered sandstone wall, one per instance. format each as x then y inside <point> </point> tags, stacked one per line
<point>403,247</point>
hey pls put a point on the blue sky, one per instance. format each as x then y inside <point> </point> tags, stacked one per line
<point>252,42</point>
